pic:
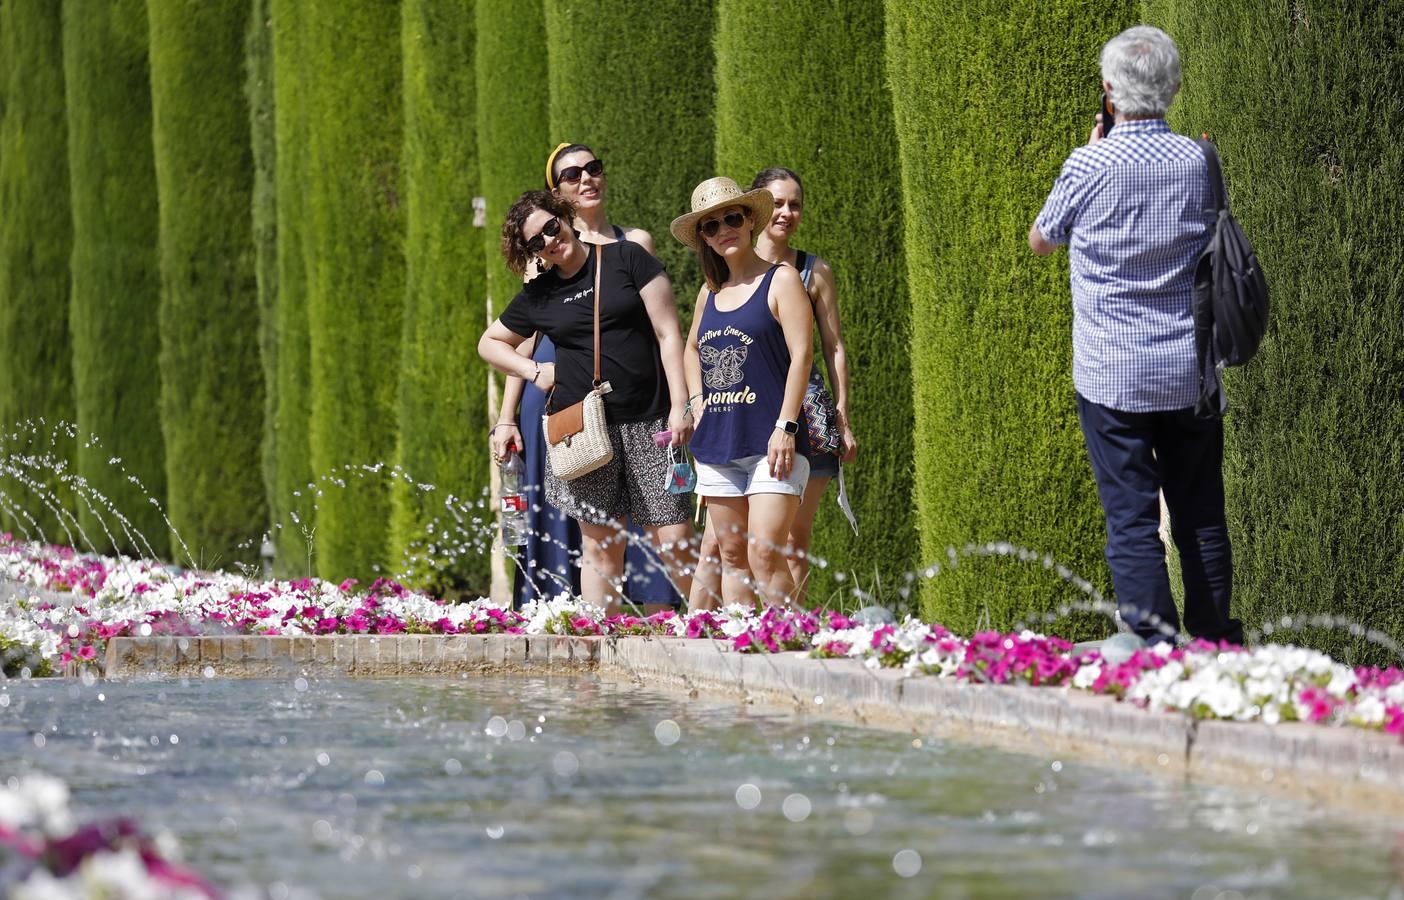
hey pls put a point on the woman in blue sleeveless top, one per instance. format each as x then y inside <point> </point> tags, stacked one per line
<point>773,244</point>
<point>747,360</point>
<point>552,552</point>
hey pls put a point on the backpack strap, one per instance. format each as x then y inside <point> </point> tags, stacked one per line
<point>1218,191</point>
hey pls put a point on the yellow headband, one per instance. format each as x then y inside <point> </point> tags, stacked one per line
<point>551,165</point>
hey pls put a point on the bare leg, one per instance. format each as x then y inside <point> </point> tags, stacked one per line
<point>601,564</point>
<point>674,543</point>
<point>707,580</point>
<point>727,518</point>
<point>770,518</point>
<point>802,537</point>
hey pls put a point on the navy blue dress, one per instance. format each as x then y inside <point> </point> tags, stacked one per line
<point>551,554</point>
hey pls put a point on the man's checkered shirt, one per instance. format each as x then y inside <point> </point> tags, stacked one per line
<point>1132,209</point>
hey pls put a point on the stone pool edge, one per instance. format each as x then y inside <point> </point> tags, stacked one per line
<point>1337,767</point>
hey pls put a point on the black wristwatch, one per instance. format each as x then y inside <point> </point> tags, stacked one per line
<point>789,426</point>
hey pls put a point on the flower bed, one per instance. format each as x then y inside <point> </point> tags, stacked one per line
<point>44,854</point>
<point>1270,683</point>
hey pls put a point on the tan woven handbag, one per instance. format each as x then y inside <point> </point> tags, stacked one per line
<point>577,437</point>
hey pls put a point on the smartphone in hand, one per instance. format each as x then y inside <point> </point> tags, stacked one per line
<point>1108,119</point>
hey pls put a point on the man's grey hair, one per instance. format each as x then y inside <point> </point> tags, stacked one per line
<point>1142,65</point>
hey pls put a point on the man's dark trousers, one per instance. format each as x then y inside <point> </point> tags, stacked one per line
<point>1134,457</point>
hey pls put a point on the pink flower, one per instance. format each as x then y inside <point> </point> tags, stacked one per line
<point>1394,720</point>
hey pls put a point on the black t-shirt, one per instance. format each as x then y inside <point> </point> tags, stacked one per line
<point>564,308</point>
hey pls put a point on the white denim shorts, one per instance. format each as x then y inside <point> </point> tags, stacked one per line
<point>750,475</point>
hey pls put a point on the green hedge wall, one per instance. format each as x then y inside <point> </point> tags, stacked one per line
<point>829,117</point>
<point>263,142</point>
<point>513,139</point>
<point>443,417</point>
<point>289,501</point>
<point>990,96</point>
<point>637,86</point>
<point>211,374</point>
<point>113,318</point>
<point>354,220</point>
<point>36,238</point>
<point>1305,106</point>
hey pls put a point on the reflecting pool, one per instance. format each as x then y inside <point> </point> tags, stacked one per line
<point>580,787</point>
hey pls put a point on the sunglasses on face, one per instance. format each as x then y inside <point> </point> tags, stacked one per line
<point>732,219</point>
<point>571,174</point>
<point>549,230</point>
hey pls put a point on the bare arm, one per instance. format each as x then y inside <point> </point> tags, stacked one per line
<point>663,315</point>
<point>498,348</point>
<point>825,295</point>
<point>642,238</point>
<point>790,305</point>
<point>514,387</point>
<point>692,360</point>
<point>506,431</point>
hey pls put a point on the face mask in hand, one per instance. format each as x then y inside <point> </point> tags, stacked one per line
<point>681,477</point>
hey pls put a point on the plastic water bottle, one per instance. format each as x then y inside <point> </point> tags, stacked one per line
<point>514,524</point>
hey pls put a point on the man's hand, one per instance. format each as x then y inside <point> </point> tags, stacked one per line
<point>1038,243</point>
<point>1098,131</point>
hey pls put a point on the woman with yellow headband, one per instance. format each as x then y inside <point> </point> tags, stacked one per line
<point>574,173</point>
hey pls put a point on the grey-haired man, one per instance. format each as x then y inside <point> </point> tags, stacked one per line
<point>1134,209</point>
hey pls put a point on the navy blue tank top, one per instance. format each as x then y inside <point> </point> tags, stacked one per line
<point>745,362</point>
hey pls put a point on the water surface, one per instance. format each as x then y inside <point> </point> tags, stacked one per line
<point>574,786</point>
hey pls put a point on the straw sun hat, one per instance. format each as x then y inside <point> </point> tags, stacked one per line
<point>716,194</point>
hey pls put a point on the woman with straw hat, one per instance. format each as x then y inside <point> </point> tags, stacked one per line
<point>774,244</point>
<point>576,174</point>
<point>748,358</point>
<point>640,356</point>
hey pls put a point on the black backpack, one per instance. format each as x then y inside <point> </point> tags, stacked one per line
<point>1230,296</point>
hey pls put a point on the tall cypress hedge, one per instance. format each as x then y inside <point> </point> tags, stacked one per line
<point>990,96</point>
<point>815,99</point>
<point>354,221</point>
<point>36,239</point>
<point>263,142</point>
<point>637,86</point>
<point>512,105</point>
<point>211,375</point>
<point>289,500</point>
<point>443,416</point>
<point>1304,104</point>
<point>113,318</point>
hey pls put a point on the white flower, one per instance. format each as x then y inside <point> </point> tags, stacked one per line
<point>1087,675</point>
<point>36,800</point>
<point>551,616</point>
<point>1368,711</point>
<point>41,885</point>
<point>1224,698</point>
<point>1342,681</point>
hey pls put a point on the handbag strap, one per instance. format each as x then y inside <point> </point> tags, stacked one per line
<point>599,252</point>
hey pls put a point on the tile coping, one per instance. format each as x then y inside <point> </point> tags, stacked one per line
<point>1345,768</point>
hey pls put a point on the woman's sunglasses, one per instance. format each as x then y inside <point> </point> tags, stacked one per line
<point>571,174</point>
<point>732,219</point>
<point>549,230</point>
